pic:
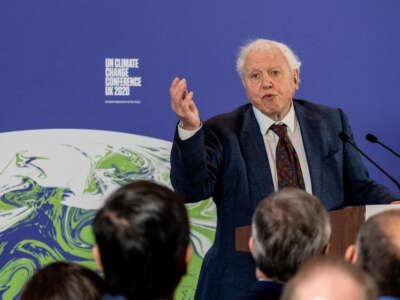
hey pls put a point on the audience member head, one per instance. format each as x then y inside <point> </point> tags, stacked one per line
<point>330,278</point>
<point>288,228</point>
<point>377,251</point>
<point>142,236</point>
<point>63,281</point>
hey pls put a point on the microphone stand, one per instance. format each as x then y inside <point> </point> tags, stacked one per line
<point>373,139</point>
<point>345,138</point>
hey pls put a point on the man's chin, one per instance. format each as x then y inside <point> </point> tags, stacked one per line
<point>269,109</point>
<point>273,114</point>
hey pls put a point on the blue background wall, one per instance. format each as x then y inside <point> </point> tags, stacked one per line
<point>53,52</point>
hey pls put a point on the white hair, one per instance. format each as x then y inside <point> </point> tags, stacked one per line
<point>263,44</point>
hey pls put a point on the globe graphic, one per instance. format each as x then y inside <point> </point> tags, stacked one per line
<point>53,181</point>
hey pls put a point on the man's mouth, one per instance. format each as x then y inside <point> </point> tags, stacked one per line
<point>268,96</point>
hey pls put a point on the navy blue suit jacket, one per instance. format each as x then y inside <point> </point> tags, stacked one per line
<point>227,160</point>
<point>264,290</point>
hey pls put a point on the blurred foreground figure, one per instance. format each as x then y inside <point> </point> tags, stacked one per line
<point>330,278</point>
<point>377,252</point>
<point>142,236</point>
<point>63,281</point>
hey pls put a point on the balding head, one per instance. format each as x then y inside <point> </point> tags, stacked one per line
<point>378,251</point>
<point>330,278</point>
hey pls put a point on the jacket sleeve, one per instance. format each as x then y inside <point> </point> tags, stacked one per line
<point>196,165</point>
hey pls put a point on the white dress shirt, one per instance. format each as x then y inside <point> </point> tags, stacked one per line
<point>271,141</point>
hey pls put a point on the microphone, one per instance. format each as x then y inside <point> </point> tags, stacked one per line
<point>345,138</point>
<point>373,139</point>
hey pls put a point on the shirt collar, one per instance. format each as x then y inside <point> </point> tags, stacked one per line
<point>265,122</point>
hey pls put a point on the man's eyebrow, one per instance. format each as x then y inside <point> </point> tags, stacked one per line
<point>254,69</point>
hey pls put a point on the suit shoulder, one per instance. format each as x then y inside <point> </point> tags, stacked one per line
<point>308,107</point>
<point>230,120</point>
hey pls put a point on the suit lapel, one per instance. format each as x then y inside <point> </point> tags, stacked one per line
<point>253,149</point>
<point>312,135</point>
<point>254,153</point>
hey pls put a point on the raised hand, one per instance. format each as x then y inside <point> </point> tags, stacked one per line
<point>183,105</point>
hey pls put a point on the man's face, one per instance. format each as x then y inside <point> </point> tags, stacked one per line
<point>269,82</point>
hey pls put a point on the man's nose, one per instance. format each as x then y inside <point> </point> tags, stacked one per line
<point>266,81</point>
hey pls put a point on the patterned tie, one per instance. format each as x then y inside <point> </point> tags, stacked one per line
<point>287,162</point>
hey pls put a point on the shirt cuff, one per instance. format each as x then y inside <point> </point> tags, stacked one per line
<point>186,134</point>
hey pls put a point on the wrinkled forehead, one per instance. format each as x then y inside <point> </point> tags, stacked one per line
<point>265,59</point>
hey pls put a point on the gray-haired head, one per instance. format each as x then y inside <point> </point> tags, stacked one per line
<point>263,44</point>
<point>288,228</point>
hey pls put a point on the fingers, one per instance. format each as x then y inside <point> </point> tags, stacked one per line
<point>178,93</point>
<point>175,81</point>
<point>188,103</point>
<point>185,106</point>
<point>178,89</point>
<point>174,84</point>
<point>182,103</point>
<point>188,97</point>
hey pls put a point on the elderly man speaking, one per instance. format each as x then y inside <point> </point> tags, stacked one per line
<point>241,157</point>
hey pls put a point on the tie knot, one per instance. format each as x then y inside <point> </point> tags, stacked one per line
<point>279,129</point>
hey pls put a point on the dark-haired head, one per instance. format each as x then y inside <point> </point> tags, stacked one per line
<point>63,281</point>
<point>142,236</point>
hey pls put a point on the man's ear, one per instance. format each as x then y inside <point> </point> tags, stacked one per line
<point>244,83</point>
<point>189,254</point>
<point>188,257</point>
<point>351,254</point>
<point>326,249</point>
<point>296,75</point>
<point>96,256</point>
<point>251,246</point>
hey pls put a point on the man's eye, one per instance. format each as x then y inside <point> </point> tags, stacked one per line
<point>275,72</point>
<point>255,75</point>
